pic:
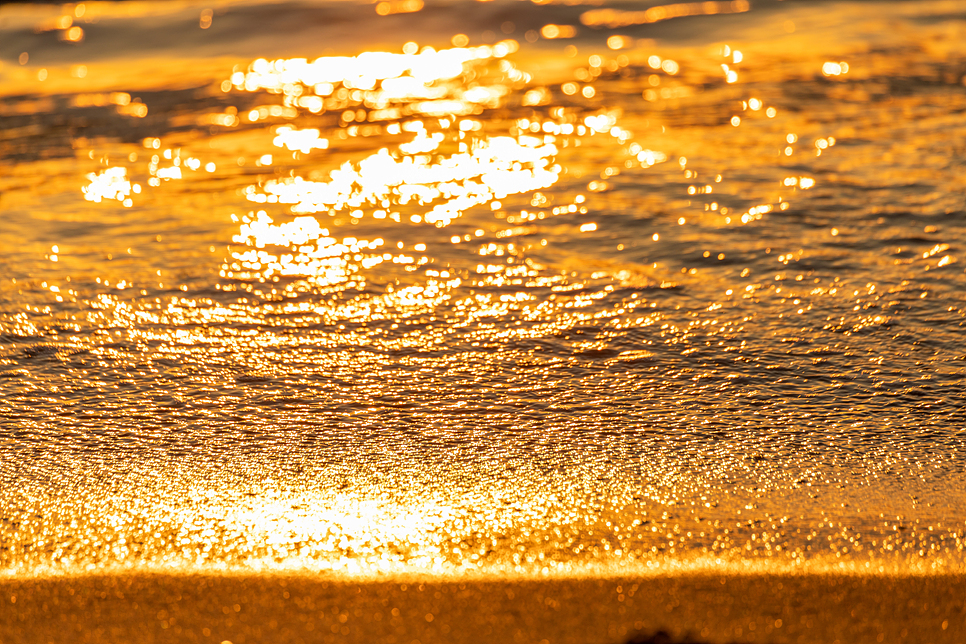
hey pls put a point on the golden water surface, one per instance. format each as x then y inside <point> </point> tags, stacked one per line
<point>483,288</point>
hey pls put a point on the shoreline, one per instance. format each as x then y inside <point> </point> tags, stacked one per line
<point>363,570</point>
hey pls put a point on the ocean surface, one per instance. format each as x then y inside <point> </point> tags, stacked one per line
<point>483,288</point>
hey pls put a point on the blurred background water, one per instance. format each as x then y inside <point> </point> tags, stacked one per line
<point>483,286</point>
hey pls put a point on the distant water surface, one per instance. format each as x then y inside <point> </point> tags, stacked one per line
<point>464,287</point>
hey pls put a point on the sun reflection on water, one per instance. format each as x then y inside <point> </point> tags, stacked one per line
<point>487,170</point>
<point>563,284</point>
<point>346,531</point>
<point>380,80</point>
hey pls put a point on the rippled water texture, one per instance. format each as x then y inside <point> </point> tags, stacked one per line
<point>483,287</point>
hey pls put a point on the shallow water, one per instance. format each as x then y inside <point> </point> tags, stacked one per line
<point>680,294</point>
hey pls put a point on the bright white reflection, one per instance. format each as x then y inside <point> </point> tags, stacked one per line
<point>299,140</point>
<point>485,170</point>
<point>342,531</point>
<point>310,251</point>
<point>110,184</point>
<point>382,80</point>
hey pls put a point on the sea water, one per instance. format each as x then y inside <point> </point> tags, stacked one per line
<point>482,287</point>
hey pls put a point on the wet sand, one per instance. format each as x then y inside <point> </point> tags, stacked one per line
<point>278,608</point>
